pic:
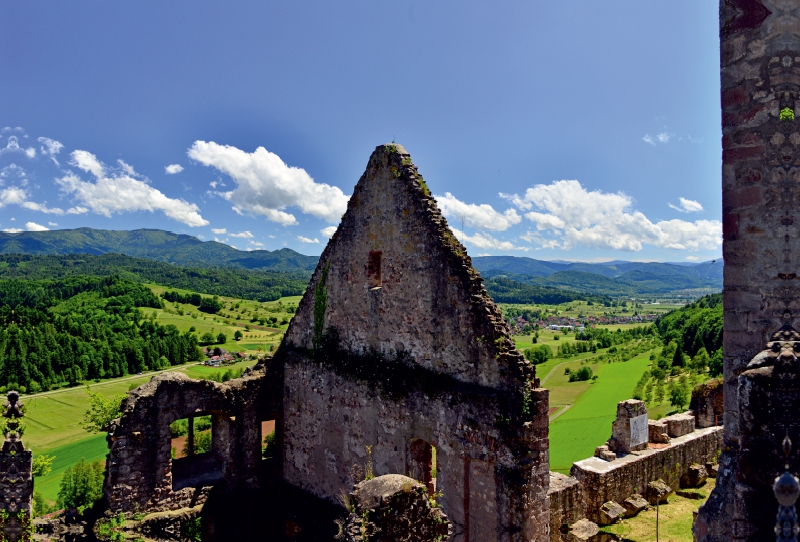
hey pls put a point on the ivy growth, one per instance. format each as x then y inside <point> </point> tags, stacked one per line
<point>320,305</point>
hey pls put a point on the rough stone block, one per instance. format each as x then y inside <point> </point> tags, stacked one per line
<point>711,469</point>
<point>695,477</point>
<point>623,433</point>
<point>658,492</point>
<point>657,431</point>
<point>679,424</point>
<point>611,512</point>
<point>634,504</point>
<point>583,529</point>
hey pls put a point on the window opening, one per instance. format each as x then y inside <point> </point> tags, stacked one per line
<point>374,269</point>
<point>195,462</point>
<point>422,463</point>
<point>190,436</point>
<point>269,441</point>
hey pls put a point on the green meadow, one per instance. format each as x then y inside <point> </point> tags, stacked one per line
<point>587,423</point>
<point>90,449</point>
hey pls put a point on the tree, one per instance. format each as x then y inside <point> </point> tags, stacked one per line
<point>101,411</point>
<point>237,335</point>
<point>677,358</point>
<point>221,338</point>
<point>42,465</point>
<point>700,360</point>
<point>715,363</point>
<point>207,338</point>
<point>202,443</point>
<point>678,397</point>
<point>82,485</point>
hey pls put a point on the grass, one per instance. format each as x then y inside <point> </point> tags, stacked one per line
<point>90,449</point>
<point>674,520</point>
<point>587,424</point>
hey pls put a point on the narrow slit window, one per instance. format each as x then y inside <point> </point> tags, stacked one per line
<point>374,269</point>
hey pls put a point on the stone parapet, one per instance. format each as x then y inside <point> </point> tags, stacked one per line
<point>605,481</point>
<point>567,504</point>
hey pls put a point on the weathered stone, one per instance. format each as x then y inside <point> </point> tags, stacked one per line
<point>567,503</point>
<point>394,507</point>
<point>624,436</point>
<point>610,512</point>
<point>657,431</point>
<point>617,480</point>
<point>604,453</point>
<point>695,477</point>
<point>707,403</point>
<point>634,504</point>
<point>711,469</point>
<point>583,529</point>
<point>657,492</point>
<point>679,424</point>
<point>16,462</point>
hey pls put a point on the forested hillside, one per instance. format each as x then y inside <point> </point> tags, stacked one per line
<point>504,290</point>
<point>241,283</point>
<point>160,245</point>
<point>76,328</point>
<point>696,327</point>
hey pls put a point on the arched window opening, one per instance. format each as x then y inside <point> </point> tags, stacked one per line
<point>422,463</point>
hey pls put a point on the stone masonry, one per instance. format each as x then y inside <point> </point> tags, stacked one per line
<point>396,341</point>
<point>760,85</point>
<point>16,463</point>
<point>396,349</point>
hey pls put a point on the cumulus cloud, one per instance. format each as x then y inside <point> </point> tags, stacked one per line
<point>33,226</point>
<point>266,186</point>
<point>172,169</point>
<point>328,232</point>
<point>486,241</point>
<point>12,195</point>
<point>13,230</point>
<point>567,215</point>
<point>307,240</point>
<point>219,231</point>
<point>662,137</point>
<point>42,208</point>
<point>256,244</point>
<point>13,147</point>
<point>692,258</point>
<point>50,147</point>
<point>119,191</point>
<point>52,224</point>
<point>482,216</point>
<point>687,206</point>
<point>242,235</point>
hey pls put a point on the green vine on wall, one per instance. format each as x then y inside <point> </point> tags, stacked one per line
<point>320,305</point>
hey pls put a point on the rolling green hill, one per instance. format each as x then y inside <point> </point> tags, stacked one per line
<point>158,245</point>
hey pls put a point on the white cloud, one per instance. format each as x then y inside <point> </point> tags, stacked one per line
<point>30,152</point>
<point>13,146</point>
<point>52,224</point>
<point>172,169</point>
<point>256,244</point>
<point>219,231</point>
<point>485,241</point>
<point>50,147</point>
<point>265,185</point>
<point>13,230</point>
<point>692,258</point>
<point>649,140</point>
<point>307,240</point>
<point>482,216</point>
<point>567,215</point>
<point>664,137</point>
<point>118,192</point>
<point>327,232</point>
<point>42,208</point>
<point>243,235</point>
<point>12,196</point>
<point>687,206</point>
<point>33,226</point>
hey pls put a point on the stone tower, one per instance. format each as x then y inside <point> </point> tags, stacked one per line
<point>16,481</point>
<point>398,355</point>
<point>760,79</point>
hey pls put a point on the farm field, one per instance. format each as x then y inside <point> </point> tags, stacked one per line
<point>235,315</point>
<point>90,449</point>
<point>587,423</point>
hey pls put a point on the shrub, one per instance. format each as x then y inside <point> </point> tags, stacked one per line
<point>584,373</point>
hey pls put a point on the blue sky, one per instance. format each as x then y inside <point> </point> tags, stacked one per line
<point>575,130</point>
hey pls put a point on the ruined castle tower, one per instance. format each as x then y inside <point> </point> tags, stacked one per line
<point>16,481</point>
<point>760,75</point>
<point>398,355</point>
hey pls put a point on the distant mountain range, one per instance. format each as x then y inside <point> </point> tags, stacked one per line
<point>610,278</point>
<point>160,245</point>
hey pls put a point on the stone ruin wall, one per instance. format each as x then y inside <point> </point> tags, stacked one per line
<point>617,480</point>
<point>139,468</point>
<point>397,283</point>
<point>567,504</point>
<point>760,77</point>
